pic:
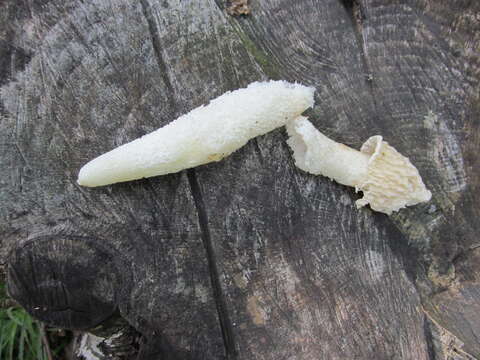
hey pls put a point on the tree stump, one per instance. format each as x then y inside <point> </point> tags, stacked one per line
<point>247,258</point>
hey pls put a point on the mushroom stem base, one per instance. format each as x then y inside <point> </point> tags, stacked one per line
<point>317,154</point>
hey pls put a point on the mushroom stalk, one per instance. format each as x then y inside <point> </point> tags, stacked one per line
<point>207,133</point>
<point>387,179</point>
<point>319,155</point>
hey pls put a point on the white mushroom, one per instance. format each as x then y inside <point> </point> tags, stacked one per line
<point>207,133</point>
<point>387,179</point>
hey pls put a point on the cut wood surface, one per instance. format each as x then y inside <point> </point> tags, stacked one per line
<point>249,257</point>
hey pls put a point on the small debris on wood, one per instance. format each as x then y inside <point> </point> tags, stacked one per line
<point>238,7</point>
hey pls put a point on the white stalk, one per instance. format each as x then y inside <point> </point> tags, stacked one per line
<point>387,179</point>
<point>207,133</point>
<point>317,154</point>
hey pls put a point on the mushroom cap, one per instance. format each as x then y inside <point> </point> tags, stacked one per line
<point>392,181</point>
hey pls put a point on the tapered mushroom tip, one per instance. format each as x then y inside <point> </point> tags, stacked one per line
<point>84,178</point>
<point>393,182</point>
<point>83,183</point>
<point>81,179</point>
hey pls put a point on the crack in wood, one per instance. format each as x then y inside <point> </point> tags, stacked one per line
<point>223,317</point>
<point>450,346</point>
<point>355,11</point>
<point>427,331</point>
<point>220,303</point>
<point>357,16</point>
<point>157,48</point>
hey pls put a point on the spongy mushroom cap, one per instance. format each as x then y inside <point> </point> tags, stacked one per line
<point>392,181</point>
<point>205,134</point>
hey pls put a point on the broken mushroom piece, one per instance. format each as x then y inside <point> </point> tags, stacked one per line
<point>387,179</point>
<point>207,133</point>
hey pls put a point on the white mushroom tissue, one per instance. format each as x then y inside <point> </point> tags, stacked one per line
<point>205,134</point>
<point>387,179</point>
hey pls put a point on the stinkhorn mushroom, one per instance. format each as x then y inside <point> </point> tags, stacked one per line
<point>387,179</point>
<point>205,134</point>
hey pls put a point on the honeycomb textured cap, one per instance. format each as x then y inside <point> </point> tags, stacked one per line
<point>392,182</point>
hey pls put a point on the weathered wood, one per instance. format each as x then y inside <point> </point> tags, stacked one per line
<point>427,80</point>
<point>79,61</point>
<point>248,258</point>
<point>52,275</point>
